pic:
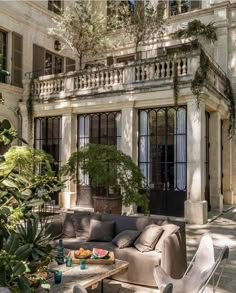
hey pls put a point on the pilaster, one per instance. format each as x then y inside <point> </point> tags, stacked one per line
<point>129,141</point>
<point>195,206</point>
<point>67,198</point>
<point>216,197</point>
<point>227,164</point>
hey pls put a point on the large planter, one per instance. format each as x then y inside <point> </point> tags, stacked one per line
<point>108,205</point>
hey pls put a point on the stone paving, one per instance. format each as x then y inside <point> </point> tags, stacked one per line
<point>222,230</point>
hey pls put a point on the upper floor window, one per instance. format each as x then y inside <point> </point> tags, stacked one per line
<point>3,55</point>
<point>114,7</point>
<point>182,6</point>
<point>55,6</point>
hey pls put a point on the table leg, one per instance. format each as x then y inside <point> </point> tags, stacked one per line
<point>101,286</point>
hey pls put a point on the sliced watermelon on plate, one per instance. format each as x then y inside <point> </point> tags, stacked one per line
<point>100,253</point>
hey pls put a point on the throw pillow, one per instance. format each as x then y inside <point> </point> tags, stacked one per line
<point>148,238</point>
<point>68,227</point>
<point>81,223</point>
<point>168,229</point>
<point>125,238</point>
<point>101,231</point>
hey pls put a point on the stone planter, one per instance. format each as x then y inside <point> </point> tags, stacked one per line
<point>109,205</point>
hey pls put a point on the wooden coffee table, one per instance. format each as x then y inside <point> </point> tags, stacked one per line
<point>88,278</point>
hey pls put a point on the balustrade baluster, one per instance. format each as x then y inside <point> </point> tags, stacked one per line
<point>179,69</point>
<point>163,69</point>
<point>184,70</point>
<point>168,68</point>
<point>115,76</point>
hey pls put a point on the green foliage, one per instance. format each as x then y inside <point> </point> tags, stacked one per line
<point>197,29</point>
<point>145,23</point>
<point>7,133</point>
<point>30,108</point>
<point>230,96</point>
<point>26,181</point>
<point>82,28</point>
<point>200,77</point>
<point>34,240</point>
<point>110,169</point>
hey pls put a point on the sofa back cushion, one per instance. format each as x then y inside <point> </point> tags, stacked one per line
<point>101,231</point>
<point>126,222</point>
<point>125,238</point>
<point>168,229</point>
<point>148,238</point>
<point>68,227</point>
<point>81,224</point>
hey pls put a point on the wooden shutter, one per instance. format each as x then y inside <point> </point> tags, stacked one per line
<point>70,64</point>
<point>110,60</point>
<point>38,61</point>
<point>17,52</point>
<point>195,4</point>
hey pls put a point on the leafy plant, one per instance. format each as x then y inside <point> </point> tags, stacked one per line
<point>144,23</point>
<point>82,28</point>
<point>110,169</point>
<point>197,29</point>
<point>35,240</point>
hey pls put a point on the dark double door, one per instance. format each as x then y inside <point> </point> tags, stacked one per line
<point>163,158</point>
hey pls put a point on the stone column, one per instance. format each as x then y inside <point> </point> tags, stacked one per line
<point>227,165</point>
<point>216,197</point>
<point>195,207</point>
<point>67,197</point>
<point>129,141</point>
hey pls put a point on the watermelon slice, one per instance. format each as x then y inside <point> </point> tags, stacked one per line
<point>100,253</point>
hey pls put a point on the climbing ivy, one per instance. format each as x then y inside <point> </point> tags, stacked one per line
<point>197,30</point>
<point>30,108</point>
<point>200,77</point>
<point>229,94</point>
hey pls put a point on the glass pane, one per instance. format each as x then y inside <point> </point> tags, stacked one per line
<point>171,121</point>
<point>161,123</point>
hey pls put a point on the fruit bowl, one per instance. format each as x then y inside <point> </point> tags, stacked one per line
<point>82,253</point>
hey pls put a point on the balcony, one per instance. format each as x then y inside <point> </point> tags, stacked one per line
<point>146,73</point>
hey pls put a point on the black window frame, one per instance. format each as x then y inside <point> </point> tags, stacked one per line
<point>165,161</point>
<point>99,138</point>
<point>47,138</point>
<point>182,6</point>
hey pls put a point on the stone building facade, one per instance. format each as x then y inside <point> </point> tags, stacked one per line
<point>185,154</point>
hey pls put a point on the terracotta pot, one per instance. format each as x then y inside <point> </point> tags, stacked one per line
<point>108,205</point>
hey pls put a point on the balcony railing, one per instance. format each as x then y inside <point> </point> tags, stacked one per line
<point>152,72</point>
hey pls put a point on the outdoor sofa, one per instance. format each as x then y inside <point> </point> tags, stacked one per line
<point>143,241</point>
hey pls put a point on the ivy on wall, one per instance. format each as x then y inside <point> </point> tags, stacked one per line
<point>30,108</point>
<point>197,30</point>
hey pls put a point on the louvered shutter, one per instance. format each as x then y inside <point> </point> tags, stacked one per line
<point>110,60</point>
<point>195,4</point>
<point>17,52</point>
<point>38,61</point>
<point>70,64</point>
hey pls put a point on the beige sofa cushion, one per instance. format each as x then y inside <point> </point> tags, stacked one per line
<point>101,231</point>
<point>148,238</point>
<point>168,229</point>
<point>125,238</point>
<point>81,224</point>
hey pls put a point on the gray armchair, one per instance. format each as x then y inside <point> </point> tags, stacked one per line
<point>199,272</point>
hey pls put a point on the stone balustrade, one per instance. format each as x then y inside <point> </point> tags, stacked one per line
<point>122,76</point>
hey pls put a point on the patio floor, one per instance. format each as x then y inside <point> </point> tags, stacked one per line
<point>222,230</point>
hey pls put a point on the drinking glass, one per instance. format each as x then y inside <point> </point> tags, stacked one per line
<point>57,277</point>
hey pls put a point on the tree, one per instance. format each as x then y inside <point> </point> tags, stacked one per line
<point>142,20</point>
<point>82,28</point>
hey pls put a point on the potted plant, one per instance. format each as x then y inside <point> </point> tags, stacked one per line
<point>114,178</point>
